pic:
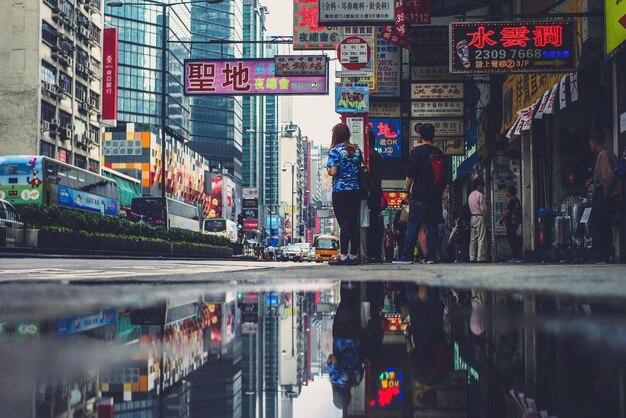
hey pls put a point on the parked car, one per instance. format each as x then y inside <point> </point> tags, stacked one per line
<point>10,220</point>
<point>292,253</point>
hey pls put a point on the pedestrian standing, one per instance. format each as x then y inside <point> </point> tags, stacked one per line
<point>426,179</point>
<point>607,196</point>
<point>375,230</point>
<point>478,237</point>
<point>344,160</point>
<point>512,218</point>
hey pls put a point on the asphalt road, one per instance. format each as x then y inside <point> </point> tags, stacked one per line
<point>587,280</point>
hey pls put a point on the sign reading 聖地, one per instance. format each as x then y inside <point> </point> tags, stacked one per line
<point>363,12</point>
<point>307,32</point>
<point>497,47</point>
<point>388,133</point>
<point>352,97</point>
<point>238,77</point>
<point>301,65</point>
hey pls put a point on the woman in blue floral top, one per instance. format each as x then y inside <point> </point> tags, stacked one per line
<point>344,159</point>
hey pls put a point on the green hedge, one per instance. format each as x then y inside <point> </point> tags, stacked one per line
<point>48,216</point>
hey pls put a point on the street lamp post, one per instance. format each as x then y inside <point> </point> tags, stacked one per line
<point>254,131</point>
<point>293,171</point>
<point>164,39</point>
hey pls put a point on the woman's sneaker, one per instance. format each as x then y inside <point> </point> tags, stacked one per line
<point>402,260</point>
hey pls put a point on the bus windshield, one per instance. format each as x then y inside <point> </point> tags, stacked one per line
<point>214,225</point>
<point>15,169</point>
<point>326,244</point>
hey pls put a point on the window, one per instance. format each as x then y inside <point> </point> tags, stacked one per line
<point>81,92</point>
<point>51,3</point>
<point>48,34</point>
<point>80,127</point>
<point>48,73</point>
<point>82,58</point>
<point>48,111</point>
<point>65,81</point>
<point>65,119</point>
<point>94,99</point>
<point>95,65</point>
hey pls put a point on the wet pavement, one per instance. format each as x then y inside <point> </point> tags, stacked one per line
<point>186,338</point>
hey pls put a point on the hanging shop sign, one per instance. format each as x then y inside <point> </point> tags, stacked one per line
<point>430,73</point>
<point>307,33</point>
<point>369,73</point>
<point>244,77</point>
<point>389,60</point>
<point>495,47</point>
<point>429,91</point>
<point>363,12</point>
<point>443,127</point>
<point>615,26</point>
<point>437,109</point>
<point>301,65</point>
<point>109,82</point>
<point>355,56</point>
<point>351,97</point>
<point>250,193</point>
<point>384,109</point>
<point>388,133</point>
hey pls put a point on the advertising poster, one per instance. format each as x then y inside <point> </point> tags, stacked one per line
<point>84,323</point>
<point>21,180</point>
<point>352,97</point>
<point>356,53</point>
<point>86,201</point>
<point>370,72</point>
<point>364,12</point>
<point>505,47</point>
<point>307,32</point>
<point>215,209</point>
<point>389,59</point>
<point>388,133</point>
<point>242,77</point>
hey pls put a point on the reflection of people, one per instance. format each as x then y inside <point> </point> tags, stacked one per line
<point>607,195</point>
<point>345,365</point>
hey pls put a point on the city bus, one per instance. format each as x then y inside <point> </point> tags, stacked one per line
<point>149,209</point>
<point>27,179</point>
<point>221,227</point>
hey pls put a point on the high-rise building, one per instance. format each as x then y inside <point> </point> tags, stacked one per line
<point>270,145</point>
<point>50,72</point>
<point>216,121</point>
<point>140,69</point>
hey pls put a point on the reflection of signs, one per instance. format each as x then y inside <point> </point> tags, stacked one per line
<point>437,109</point>
<point>437,91</point>
<point>394,199</point>
<point>443,127</point>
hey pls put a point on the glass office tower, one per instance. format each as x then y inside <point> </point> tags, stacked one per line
<point>216,122</point>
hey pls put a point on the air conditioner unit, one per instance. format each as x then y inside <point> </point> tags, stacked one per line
<point>93,137</point>
<point>54,124</point>
<point>68,132</point>
<point>83,107</point>
<point>45,125</point>
<point>45,85</point>
<point>85,32</point>
<point>80,68</point>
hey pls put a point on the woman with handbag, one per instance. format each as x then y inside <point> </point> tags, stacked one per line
<point>344,165</point>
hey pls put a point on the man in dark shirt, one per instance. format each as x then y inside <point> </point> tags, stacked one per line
<point>375,230</point>
<point>425,189</point>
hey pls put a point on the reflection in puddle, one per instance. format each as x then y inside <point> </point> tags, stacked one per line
<point>350,349</point>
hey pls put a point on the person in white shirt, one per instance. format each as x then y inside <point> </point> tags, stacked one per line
<point>478,237</point>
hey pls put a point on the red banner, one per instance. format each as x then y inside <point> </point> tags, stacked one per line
<point>109,77</point>
<point>408,12</point>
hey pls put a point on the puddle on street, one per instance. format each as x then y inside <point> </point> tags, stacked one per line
<point>348,349</point>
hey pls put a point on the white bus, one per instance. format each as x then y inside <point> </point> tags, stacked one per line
<point>221,227</point>
<point>179,215</point>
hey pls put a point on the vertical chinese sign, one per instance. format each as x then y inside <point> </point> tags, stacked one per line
<point>307,33</point>
<point>109,78</point>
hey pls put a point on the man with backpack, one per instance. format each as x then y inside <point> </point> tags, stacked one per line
<point>426,178</point>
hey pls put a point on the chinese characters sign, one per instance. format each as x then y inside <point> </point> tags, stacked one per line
<point>301,65</point>
<point>493,47</point>
<point>388,136</point>
<point>363,12</point>
<point>385,109</point>
<point>352,97</point>
<point>389,57</point>
<point>246,77</point>
<point>435,109</point>
<point>394,201</point>
<point>109,77</point>
<point>443,127</point>
<point>436,91</point>
<point>307,33</point>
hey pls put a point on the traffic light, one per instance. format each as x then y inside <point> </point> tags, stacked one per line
<point>240,222</point>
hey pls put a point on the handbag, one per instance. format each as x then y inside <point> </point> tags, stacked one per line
<point>365,180</point>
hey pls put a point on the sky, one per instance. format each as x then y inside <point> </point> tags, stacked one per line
<point>314,114</point>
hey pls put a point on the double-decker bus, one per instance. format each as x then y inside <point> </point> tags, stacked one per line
<point>149,209</point>
<point>28,179</point>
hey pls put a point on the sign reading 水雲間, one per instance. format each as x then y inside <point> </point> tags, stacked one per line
<point>523,47</point>
<point>363,12</point>
<point>242,77</point>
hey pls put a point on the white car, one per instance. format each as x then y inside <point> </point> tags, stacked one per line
<point>292,253</point>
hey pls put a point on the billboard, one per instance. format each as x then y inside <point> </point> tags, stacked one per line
<point>109,74</point>
<point>351,97</point>
<point>242,77</point>
<point>388,133</point>
<point>389,59</point>
<point>215,208</point>
<point>307,32</point>
<point>86,201</point>
<point>509,47</point>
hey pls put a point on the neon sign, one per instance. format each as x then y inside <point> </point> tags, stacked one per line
<point>388,136</point>
<point>389,394</point>
<point>492,47</point>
